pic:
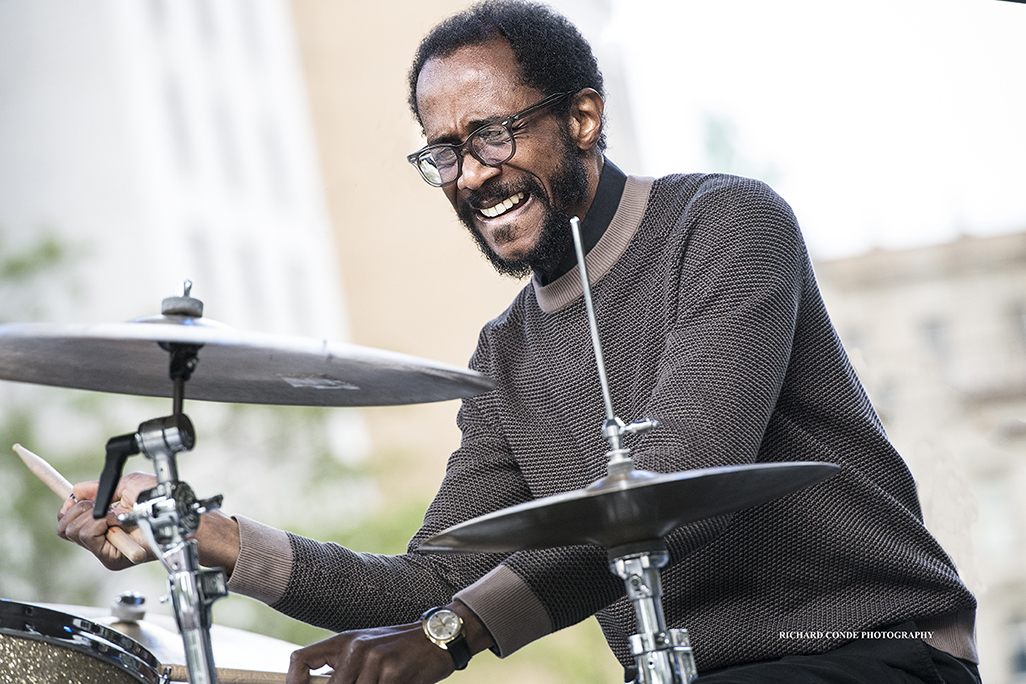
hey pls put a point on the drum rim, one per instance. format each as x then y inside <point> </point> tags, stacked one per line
<point>29,621</point>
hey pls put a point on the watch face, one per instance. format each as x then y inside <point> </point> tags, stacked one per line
<point>444,625</point>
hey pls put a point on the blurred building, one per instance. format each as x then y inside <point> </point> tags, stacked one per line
<point>141,144</point>
<point>169,140</point>
<point>938,336</point>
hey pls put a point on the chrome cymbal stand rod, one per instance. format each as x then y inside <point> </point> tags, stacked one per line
<point>662,656</point>
<point>613,428</point>
<point>582,266</point>
<point>169,514</point>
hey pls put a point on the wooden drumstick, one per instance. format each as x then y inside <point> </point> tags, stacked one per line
<point>179,673</point>
<point>63,488</point>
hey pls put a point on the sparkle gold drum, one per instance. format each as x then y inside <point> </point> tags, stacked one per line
<point>43,646</point>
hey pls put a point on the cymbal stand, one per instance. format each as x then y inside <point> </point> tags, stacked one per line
<point>169,514</point>
<point>662,656</point>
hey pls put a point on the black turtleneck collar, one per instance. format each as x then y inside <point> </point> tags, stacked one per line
<point>607,198</point>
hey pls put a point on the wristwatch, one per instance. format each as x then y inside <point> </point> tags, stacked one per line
<point>445,629</point>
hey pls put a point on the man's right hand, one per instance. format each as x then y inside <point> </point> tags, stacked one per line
<point>75,520</point>
<point>218,534</point>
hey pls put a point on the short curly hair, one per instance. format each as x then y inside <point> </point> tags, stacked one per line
<point>553,55</point>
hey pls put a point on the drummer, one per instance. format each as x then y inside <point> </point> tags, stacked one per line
<point>713,326</point>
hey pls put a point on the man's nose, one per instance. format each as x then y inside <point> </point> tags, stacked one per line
<point>475,173</point>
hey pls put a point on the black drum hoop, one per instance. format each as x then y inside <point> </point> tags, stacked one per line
<point>78,634</point>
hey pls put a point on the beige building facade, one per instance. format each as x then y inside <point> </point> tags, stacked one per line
<point>938,336</point>
<point>414,279</point>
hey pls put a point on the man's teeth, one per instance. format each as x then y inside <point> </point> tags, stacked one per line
<point>503,206</point>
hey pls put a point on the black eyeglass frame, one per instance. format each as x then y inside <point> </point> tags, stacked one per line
<point>458,149</point>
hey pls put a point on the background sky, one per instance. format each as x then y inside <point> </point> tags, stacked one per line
<point>883,123</point>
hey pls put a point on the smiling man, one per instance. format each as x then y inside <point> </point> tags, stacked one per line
<point>516,179</point>
<point>713,325</point>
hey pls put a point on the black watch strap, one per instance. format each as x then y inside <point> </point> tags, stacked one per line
<point>459,650</point>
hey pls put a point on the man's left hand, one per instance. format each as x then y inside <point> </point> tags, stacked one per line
<point>383,655</point>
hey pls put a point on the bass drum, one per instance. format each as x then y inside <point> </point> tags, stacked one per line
<point>43,646</point>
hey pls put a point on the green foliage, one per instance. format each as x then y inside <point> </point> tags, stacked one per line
<point>31,555</point>
<point>34,275</point>
<point>577,655</point>
<point>48,252</point>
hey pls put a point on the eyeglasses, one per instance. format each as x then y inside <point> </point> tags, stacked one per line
<point>492,145</point>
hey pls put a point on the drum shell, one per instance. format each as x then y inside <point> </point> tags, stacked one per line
<point>42,645</point>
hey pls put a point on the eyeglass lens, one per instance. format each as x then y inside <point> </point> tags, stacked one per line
<point>491,145</point>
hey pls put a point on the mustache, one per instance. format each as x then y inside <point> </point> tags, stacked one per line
<point>491,194</point>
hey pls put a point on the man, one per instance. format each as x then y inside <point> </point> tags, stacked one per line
<point>713,325</point>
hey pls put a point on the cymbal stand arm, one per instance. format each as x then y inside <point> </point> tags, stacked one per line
<point>662,656</point>
<point>582,266</point>
<point>613,428</point>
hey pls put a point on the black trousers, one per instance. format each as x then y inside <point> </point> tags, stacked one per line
<point>867,661</point>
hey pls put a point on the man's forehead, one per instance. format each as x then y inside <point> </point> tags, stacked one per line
<point>476,82</point>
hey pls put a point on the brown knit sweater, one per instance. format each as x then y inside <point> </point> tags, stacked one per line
<point>711,323</point>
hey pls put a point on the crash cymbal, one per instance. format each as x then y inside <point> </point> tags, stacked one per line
<point>234,366</point>
<point>633,507</point>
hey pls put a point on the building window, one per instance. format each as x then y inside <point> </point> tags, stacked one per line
<point>937,336</point>
<point>1017,652</point>
<point>205,24</point>
<point>178,127</point>
<point>1018,315</point>
<point>227,144</point>
<point>275,162</point>
<point>158,14</point>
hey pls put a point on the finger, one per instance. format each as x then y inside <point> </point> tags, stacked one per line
<point>133,544</point>
<point>86,491</point>
<point>79,526</point>
<point>69,518</point>
<point>125,495</point>
<point>83,491</point>
<point>69,501</point>
<point>131,486</point>
<point>305,659</point>
<point>373,671</point>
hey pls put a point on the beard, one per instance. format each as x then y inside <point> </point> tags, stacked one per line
<point>569,185</point>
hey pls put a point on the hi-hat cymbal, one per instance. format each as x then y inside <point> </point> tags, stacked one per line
<point>234,366</point>
<point>637,506</point>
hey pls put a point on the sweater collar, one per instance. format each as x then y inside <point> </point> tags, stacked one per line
<point>609,246</point>
<point>600,214</point>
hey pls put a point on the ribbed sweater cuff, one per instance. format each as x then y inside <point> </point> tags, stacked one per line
<point>509,610</point>
<point>265,562</point>
<point>955,634</point>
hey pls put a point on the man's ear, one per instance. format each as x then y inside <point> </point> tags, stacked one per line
<point>586,118</point>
